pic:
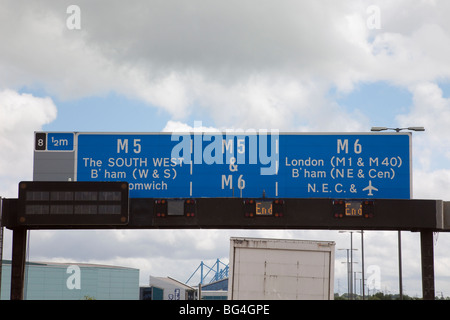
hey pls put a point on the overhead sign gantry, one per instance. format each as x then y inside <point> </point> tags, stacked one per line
<point>221,180</point>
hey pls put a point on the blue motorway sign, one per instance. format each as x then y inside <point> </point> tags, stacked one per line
<point>54,141</point>
<point>60,141</point>
<point>249,164</point>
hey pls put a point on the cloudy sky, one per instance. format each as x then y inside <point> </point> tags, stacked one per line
<point>291,65</point>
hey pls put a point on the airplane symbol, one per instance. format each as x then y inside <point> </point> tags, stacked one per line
<point>370,188</point>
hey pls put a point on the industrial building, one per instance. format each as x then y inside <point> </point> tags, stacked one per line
<point>217,290</point>
<point>173,289</point>
<point>167,288</point>
<point>64,281</point>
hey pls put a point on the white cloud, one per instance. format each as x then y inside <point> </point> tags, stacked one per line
<point>254,65</point>
<point>432,184</point>
<point>410,59</point>
<point>177,126</point>
<point>227,58</point>
<point>20,115</point>
<point>431,110</point>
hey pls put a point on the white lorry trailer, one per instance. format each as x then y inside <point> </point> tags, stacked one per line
<point>275,269</point>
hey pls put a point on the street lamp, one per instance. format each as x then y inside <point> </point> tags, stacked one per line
<point>397,129</point>
<point>351,260</point>
<point>399,232</point>
<point>349,273</point>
